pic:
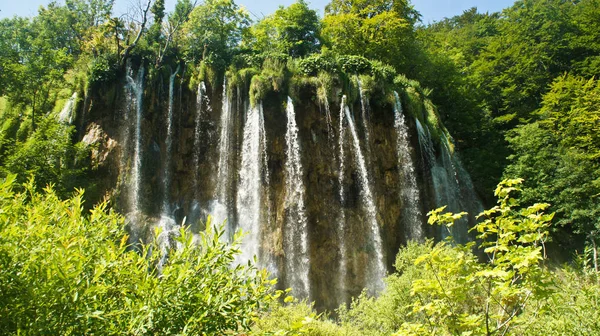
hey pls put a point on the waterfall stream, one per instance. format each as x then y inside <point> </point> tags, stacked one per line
<point>66,114</point>
<point>249,194</point>
<point>377,272</point>
<point>451,184</point>
<point>365,120</point>
<point>342,275</point>
<point>201,100</point>
<point>219,208</point>
<point>410,197</point>
<point>135,97</point>
<point>167,169</point>
<point>295,231</point>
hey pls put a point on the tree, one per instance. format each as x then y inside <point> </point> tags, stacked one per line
<point>39,53</point>
<point>214,30</point>
<point>382,30</point>
<point>558,154</point>
<point>293,30</point>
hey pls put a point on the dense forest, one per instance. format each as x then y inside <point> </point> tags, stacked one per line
<point>515,94</point>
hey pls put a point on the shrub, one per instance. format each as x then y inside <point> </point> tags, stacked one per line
<point>354,64</point>
<point>66,273</point>
<point>316,63</point>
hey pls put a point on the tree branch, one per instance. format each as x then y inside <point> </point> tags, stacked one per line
<point>139,35</point>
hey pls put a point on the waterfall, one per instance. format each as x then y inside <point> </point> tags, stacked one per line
<point>267,259</point>
<point>451,183</point>
<point>378,272</point>
<point>412,216</point>
<point>343,272</point>
<point>136,98</point>
<point>219,208</point>
<point>295,231</point>
<point>169,147</point>
<point>66,114</point>
<point>425,143</point>
<point>200,98</point>
<point>325,106</point>
<point>365,121</point>
<point>459,189</point>
<point>249,189</point>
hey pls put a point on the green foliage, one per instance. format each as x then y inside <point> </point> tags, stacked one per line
<point>486,298</point>
<point>297,318</point>
<point>558,154</point>
<point>213,31</point>
<point>49,155</point>
<point>103,70</point>
<point>314,64</point>
<point>385,314</point>
<point>293,31</point>
<point>380,29</point>
<point>354,64</point>
<point>573,309</point>
<point>66,273</point>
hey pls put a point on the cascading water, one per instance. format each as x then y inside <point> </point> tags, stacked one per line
<point>409,191</point>
<point>459,188</point>
<point>343,273</point>
<point>66,114</point>
<point>201,97</point>
<point>135,97</point>
<point>249,194</point>
<point>166,209</point>
<point>295,231</point>
<point>267,259</point>
<point>261,184</point>
<point>378,272</point>
<point>219,207</point>
<point>365,118</point>
<point>325,106</point>
<point>452,185</point>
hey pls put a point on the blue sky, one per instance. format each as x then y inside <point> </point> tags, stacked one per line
<point>432,10</point>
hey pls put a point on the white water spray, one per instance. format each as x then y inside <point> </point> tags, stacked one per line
<point>296,230</point>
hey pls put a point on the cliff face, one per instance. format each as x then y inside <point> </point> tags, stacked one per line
<point>342,246</point>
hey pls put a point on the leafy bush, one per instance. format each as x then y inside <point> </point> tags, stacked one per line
<point>66,273</point>
<point>298,318</point>
<point>383,71</point>
<point>49,155</point>
<point>316,63</point>
<point>486,298</point>
<point>354,64</point>
<point>103,69</point>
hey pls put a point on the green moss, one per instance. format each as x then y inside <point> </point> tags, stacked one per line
<point>240,78</point>
<point>369,85</point>
<point>259,86</point>
<point>413,103</point>
<point>325,87</point>
<point>383,72</point>
<point>274,69</point>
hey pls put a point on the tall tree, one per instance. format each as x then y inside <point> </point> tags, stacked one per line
<point>293,30</point>
<point>559,155</point>
<point>381,29</point>
<point>214,30</point>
